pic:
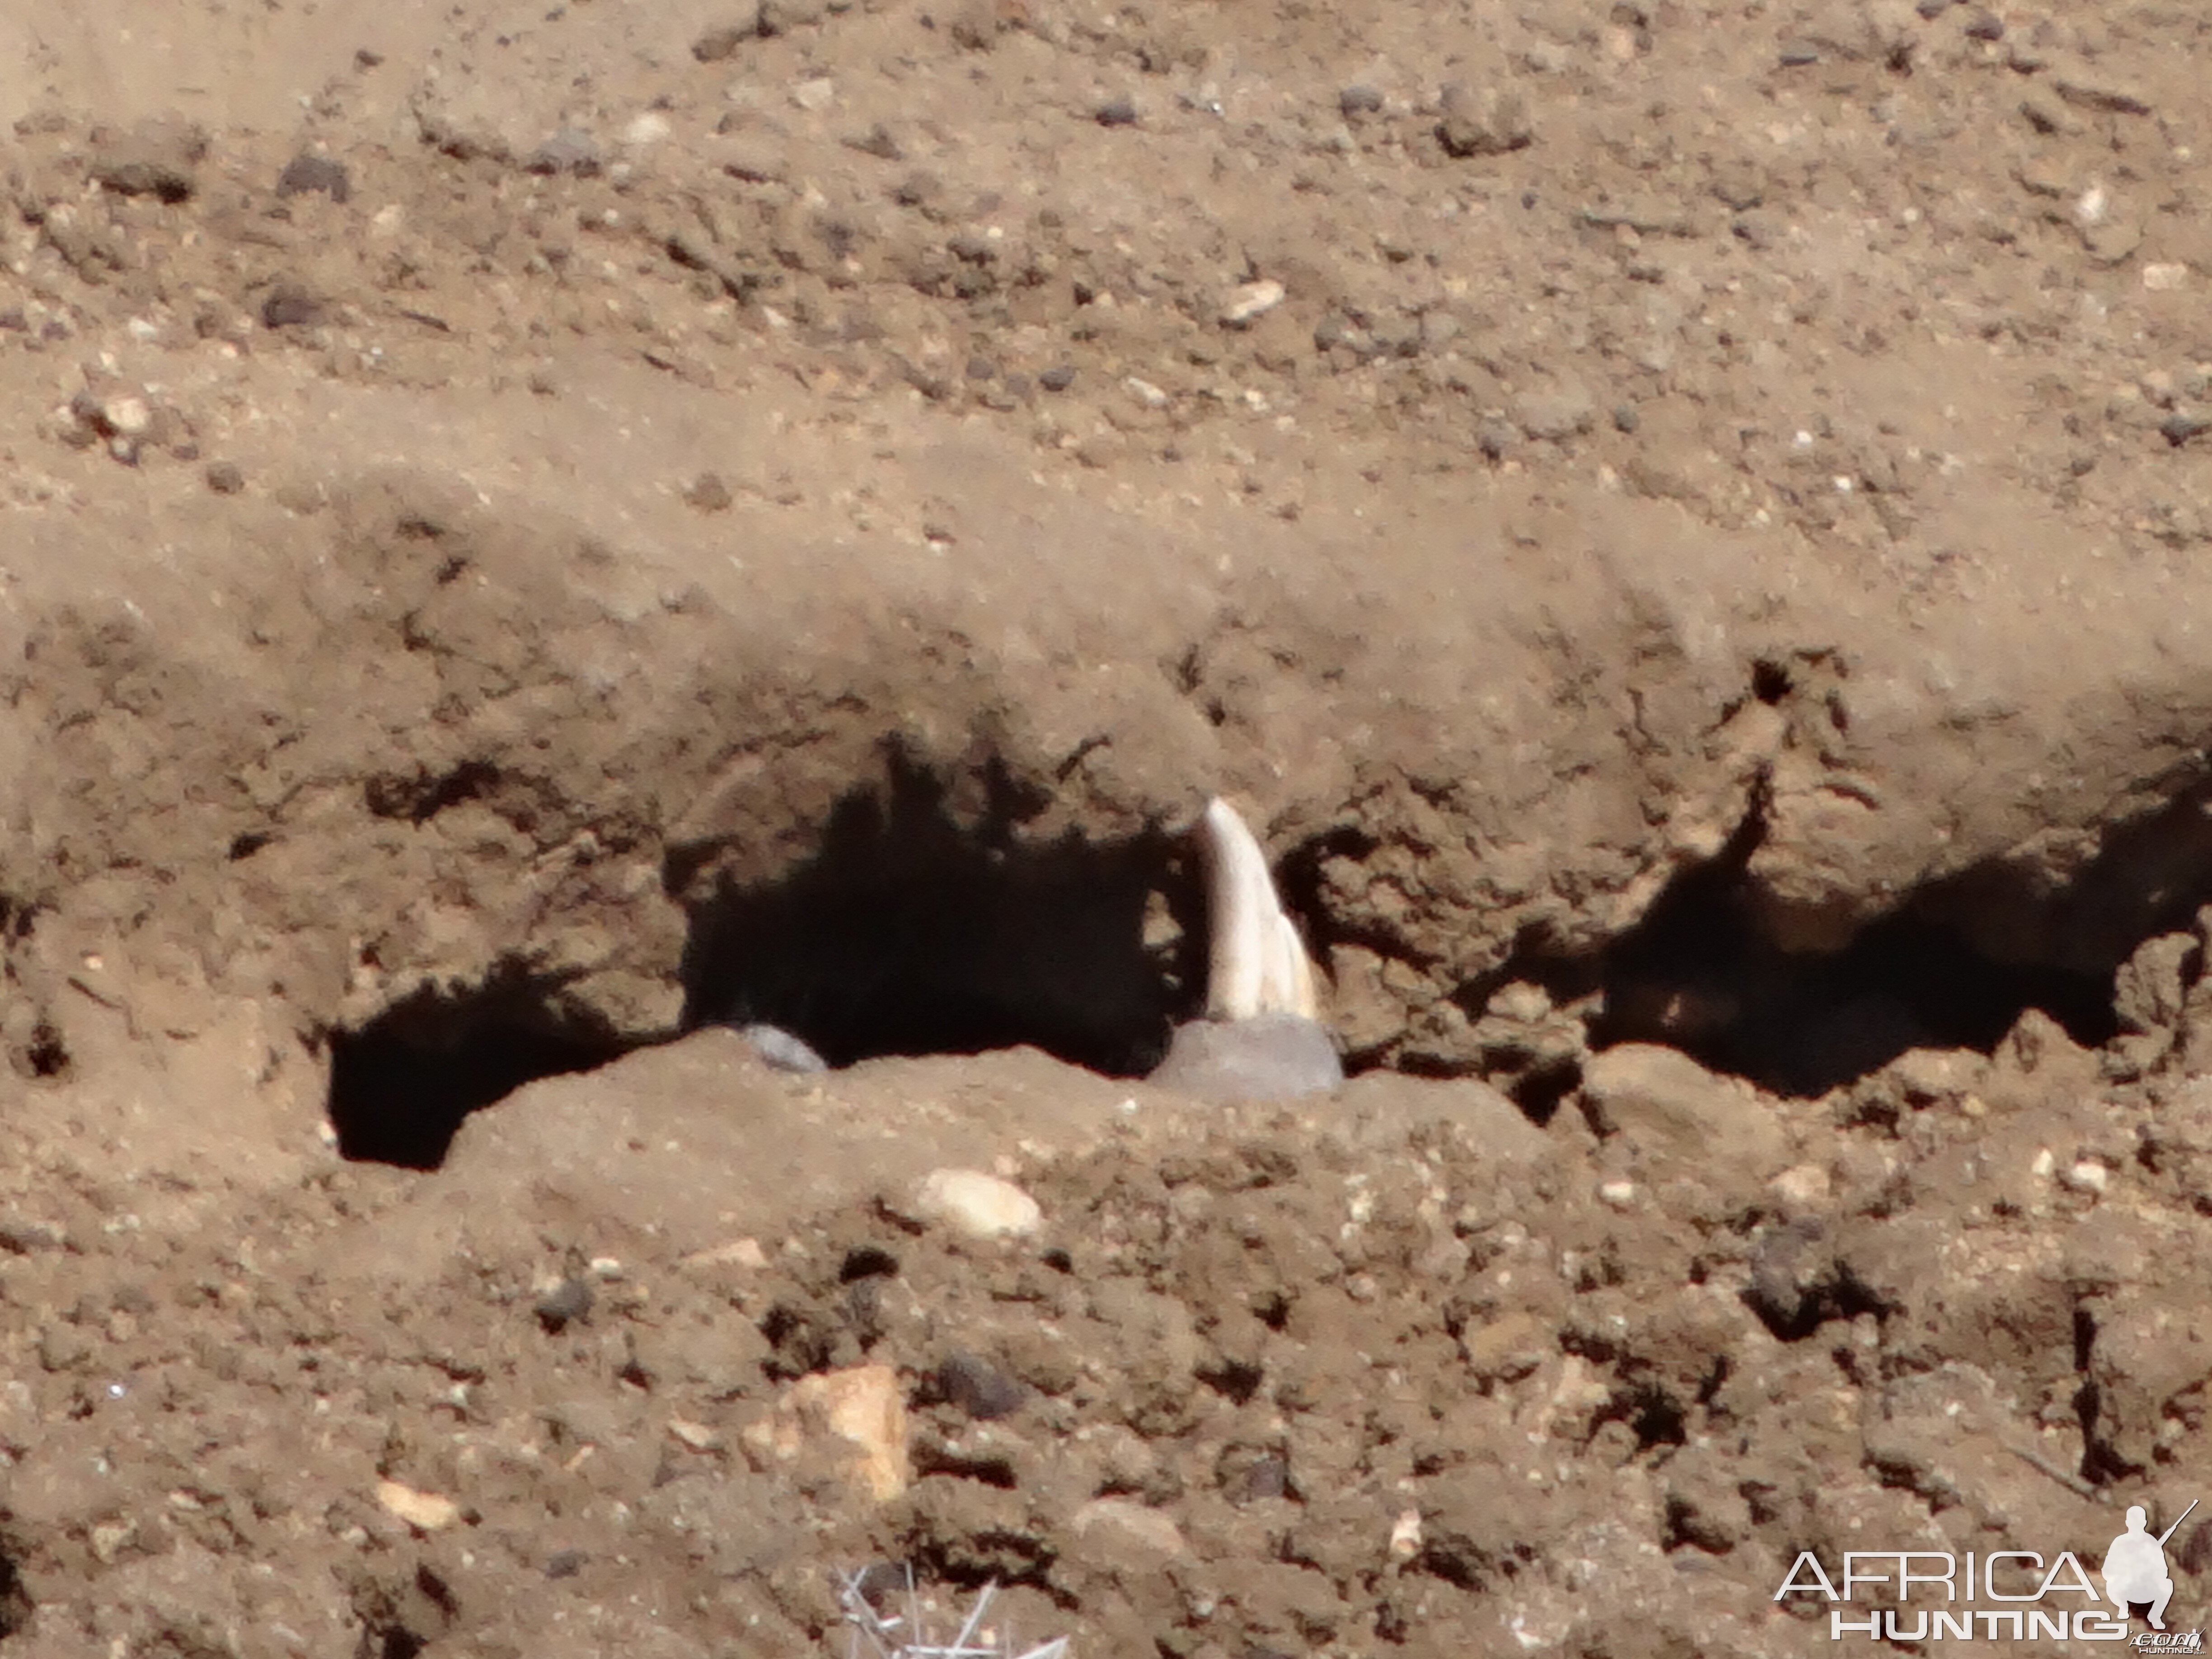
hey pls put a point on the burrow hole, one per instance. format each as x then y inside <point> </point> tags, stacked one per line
<point>910,930</point>
<point>1697,973</point>
<point>916,930</point>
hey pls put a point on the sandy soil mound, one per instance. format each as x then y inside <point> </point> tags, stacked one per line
<point>535,531</point>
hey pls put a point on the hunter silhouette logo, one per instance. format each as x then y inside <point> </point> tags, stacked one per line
<point>2135,1566</point>
<point>2028,1593</point>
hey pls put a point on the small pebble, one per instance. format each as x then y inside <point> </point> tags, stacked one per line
<point>159,158</point>
<point>425,1511</point>
<point>717,44</point>
<point>878,140</point>
<point>1985,25</point>
<point>1933,8</point>
<point>1497,439</point>
<point>1058,378</point>
<point>1262,1477</point>
<point>305,174</point>
<point>1555,412</point>
<point>649,128</point>
<point>781,16</point>
<point>979,1387</point>
<point>1359,101</point>
<point>1116,113</point>
<point>128,417</point>
<point>290,306</point>
<point>568,1300</point>
<point>565,1564</point>
<point>570,150</point>
<point>975,1205</point>
<point>781,1050</point>
<point>815,95</point>
<point>1405,1535</point>
<point>225,477</point>
<point>696,1435</point>
<point>709,493</point>
<point>1251,301</point>
<point>1796,53</point>
<point>1488,121</point>
<point>2087,1176</point>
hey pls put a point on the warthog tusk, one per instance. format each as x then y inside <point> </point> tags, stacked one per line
<point>1258,963</point>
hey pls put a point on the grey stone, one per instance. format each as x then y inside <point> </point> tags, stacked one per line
<point>781,1050</point>
<point>1274,1057</point>
<point>1491,121</point>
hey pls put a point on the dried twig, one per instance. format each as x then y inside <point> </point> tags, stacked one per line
<point>2066,1477</point>
<point>907,1637</point>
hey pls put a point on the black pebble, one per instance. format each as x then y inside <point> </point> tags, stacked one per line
<point>304,174</point>
<point>979,1387</point>
<point>1266,1477</point>
<point>565,1564</point>
<point>1118,112</point>
<point>289,306</point>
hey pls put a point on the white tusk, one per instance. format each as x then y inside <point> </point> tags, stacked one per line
<point>1259,964</point>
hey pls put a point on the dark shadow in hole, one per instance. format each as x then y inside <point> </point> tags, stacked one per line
<point>912,931</point>
<point>1696,973</point>
<point>15,1605</point>
<point>401,1085</point>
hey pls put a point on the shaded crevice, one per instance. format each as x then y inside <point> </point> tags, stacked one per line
<point>912,930</point>
<point>402,1084</point>
<point>15,1604</point>
<point>1697,973</point>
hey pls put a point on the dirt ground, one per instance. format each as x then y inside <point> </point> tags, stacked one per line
<point>536,534</point>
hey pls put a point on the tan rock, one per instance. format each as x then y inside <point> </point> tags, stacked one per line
<point>1681,1123</point>
<point>857,1417</point>
<point>1121,1527</point>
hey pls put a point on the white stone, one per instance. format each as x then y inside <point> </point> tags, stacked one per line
<point>130,416</point>
<point>2163,278</point>
<point>977,1205</point>
<point>649,128</point>
<point>1802,1184</point>
<point>815,95</point>
<point>738,1253</point>
<point>425,1511</point>
<point>2087,1175</point>
<point>1251,301</point>
<point>697,1436</point>
<point>1405,1535</point>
